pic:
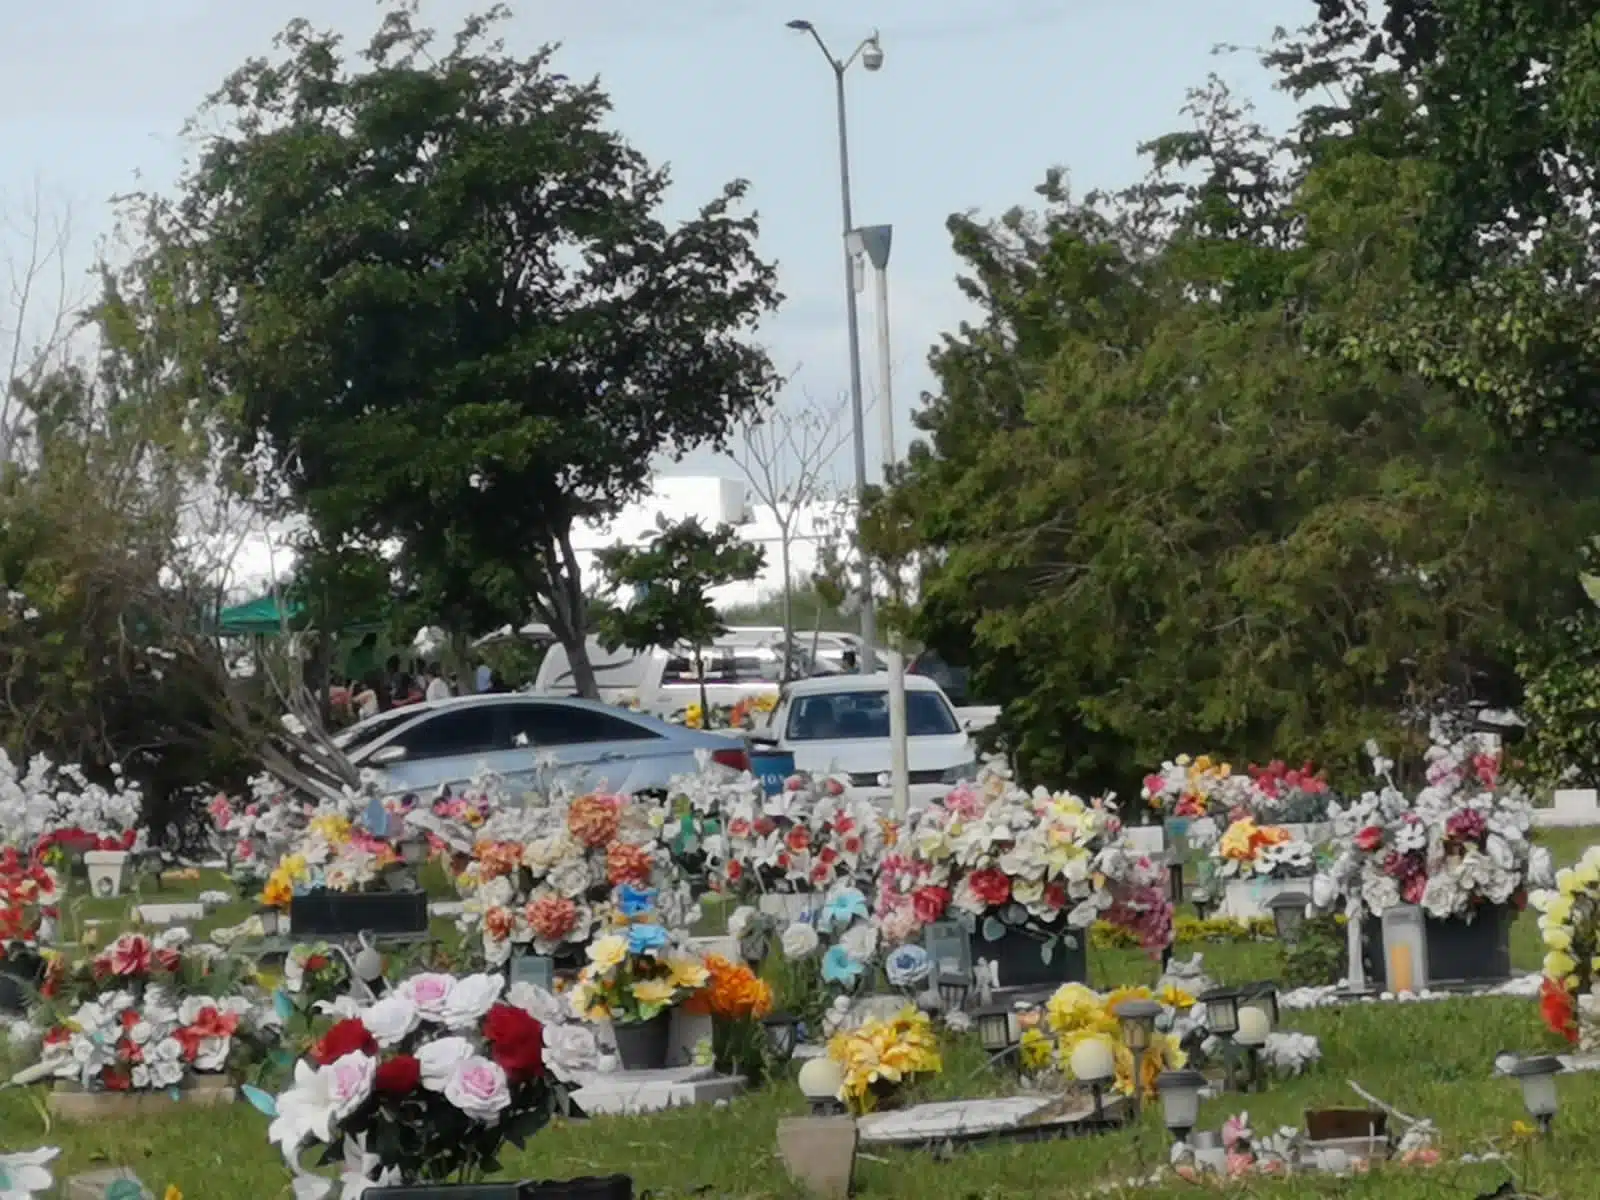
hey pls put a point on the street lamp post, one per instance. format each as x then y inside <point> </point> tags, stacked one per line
<point>872,243</point>
<point>870,52</point>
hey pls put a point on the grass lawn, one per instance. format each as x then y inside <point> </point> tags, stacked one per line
<point>1430,1060</point>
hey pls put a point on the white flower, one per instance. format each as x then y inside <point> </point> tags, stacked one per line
<point>470,999</point>
<point>26,1173</point>
<point>478,1088</point>
<point>569,1050</point>
<point>439,1059</point>
<point>391,1019</point>
<point>545,1007</point>
<point>305,1111</point>
<point>860,942</point>
<point>800,941</point>
<point>361,1170</point>
<point>739,922</point>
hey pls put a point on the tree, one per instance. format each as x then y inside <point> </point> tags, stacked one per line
<point>38,306</point>
<point>447,308</point>
<point>785,456</point>
<point>671,578</point>
<point>1160,509</point>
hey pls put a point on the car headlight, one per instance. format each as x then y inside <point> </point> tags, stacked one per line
<point>960,774</point>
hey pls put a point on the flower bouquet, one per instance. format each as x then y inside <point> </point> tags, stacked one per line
<point>1028,874</point>
<point>1074,1015</point>
<point>1250,863</point>
<point>545,878</point>
<point>28,912</point>
<point>1289,795</point>
<point>1191,788</point>
<point>1569,925</point>
<point>426,1085</point>
<point>880,1057</point>
<point>150,1015</point>
<point>633,980</point>
<point>737,1001</point>
<point>1459,848</point>
<point>54,811</point>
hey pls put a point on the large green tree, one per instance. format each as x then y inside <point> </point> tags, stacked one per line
<point>447,305</point>
<point>1169,511</point>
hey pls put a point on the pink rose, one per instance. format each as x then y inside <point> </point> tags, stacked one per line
<point>478,1088</point>
<point>430,992</point>
<point>349,1082</point>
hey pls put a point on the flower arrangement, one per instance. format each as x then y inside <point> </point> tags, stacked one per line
<point>881,1056</point>
<point>737,1000</point>
<point>1075,1014</point>
<point>1289,795</point>
<point>1461,842</point>
<point>425,1085</point>
<point>1569,924</point>
<point>149,1014</point>
<point>28,902</point>
<point>1250,851</point>
<point>49,807</point>
<point>637,975</point>
<point>1195,787</point>
<point>547,876</point>
<point>1002,859</point>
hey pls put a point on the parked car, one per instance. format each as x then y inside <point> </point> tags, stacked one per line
<point>839,724</point>
<point>663,681</point>
<point>422,747</point>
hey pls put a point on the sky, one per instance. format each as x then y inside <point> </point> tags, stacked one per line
<point>976,99</point>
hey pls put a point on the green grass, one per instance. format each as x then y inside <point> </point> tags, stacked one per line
<point>1428,1060</point>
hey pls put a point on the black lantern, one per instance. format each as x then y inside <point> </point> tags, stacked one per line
<point>781,1030</point>
<point>995,1024</point>
<point>1222,1011</point>
<point>1138,1018</point>
<point>1203,902</point>
<point>414,850</point>
<point>1263,996</point>
<point>953,992</point>
<point>1289,915</point>
<point>1180,1101</point>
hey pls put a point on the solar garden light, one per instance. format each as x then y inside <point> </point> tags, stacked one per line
<point>820,1081</point>
<point>1203,902</point>
<point>414,850</point>
<point>1175,879</point>
<point>781,1030</point>
<point>1289,915</point>
<point>1180,1101</point>
<point>1138,1019</point>
<point>1253,1027</point>
<point>1222,1019</point>
<point>995,1025</point>
<point>1093,1062</point>
<point>953,991</point>
<point>1538,1079</point>
<point>1264,996</point>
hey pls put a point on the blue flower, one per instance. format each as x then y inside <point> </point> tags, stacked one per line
<point>843,907</point>
<point>642,939</point>
<point>839,967</point>
<point>635,901</point>
<point>908,966</point>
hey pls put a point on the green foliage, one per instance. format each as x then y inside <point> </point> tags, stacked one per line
<point>447,310</point>
<point>1561,702</point>
<point>1161,509</point>
<point>1318,958</point>
<point>671,578</point>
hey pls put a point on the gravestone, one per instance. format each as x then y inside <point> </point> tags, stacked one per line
<point>1572,808</point>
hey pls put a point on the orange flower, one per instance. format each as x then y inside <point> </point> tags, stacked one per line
<point>735,993</point>
<point>594,819</point>
<point>497,923</point>
<point>627,863</point>
<point>496,858</point>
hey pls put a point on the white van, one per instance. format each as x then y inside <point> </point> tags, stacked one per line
<point>663,682</point>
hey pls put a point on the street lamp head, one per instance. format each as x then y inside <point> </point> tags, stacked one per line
<point>872,54</point>
<point>800,26</point>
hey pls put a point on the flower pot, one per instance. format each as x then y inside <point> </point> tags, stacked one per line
<point>1020,959</point>
<point>644,1046</point>
<point>1459,951</point>
<point>106,869</point>
<point>344,914</point>
<point>1251,899</point>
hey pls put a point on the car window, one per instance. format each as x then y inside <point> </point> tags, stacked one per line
<point>452,733</point>
<point>368,731</point>
<point>678,670</point>
<point>845,716</point>
<point>757,668</point>
<point>563,725</point>
<point>718,664</point>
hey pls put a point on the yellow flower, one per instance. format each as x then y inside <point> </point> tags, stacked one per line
<point>608,952</point>
<point>1036,1050</point>
<point>278,891</point>
<point>688,973</point>
<point>1173,996</point>
<point>1523,1132</point>
<point>1074,1007</point>
<point>1558,938</point>
<point>1558,964</point>
<point>658,992</point>
<point>172,1193</point>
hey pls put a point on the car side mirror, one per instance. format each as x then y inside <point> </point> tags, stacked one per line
<point>389,754</point>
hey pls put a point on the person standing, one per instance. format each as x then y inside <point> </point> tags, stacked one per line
<point>438,689</point>
<point>484,678</point>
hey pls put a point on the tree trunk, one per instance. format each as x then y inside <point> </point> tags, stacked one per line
<point>788,608</point>
<point>565,610</point>
<point>700,674</point>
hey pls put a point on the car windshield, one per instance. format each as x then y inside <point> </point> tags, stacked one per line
<point>371,729</point>
<point>842,716</point>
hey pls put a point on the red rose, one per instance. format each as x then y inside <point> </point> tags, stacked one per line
<point>316,962</point>
<point>169,961</point>
<point>516,1042</point>
<point>991,885</point>
<point>349,1036</point>
<point>398,1076</point>
<point>929,903</point>
<point>1369,839</point>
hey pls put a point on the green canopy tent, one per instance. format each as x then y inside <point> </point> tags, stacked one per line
<point>261,617</point>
